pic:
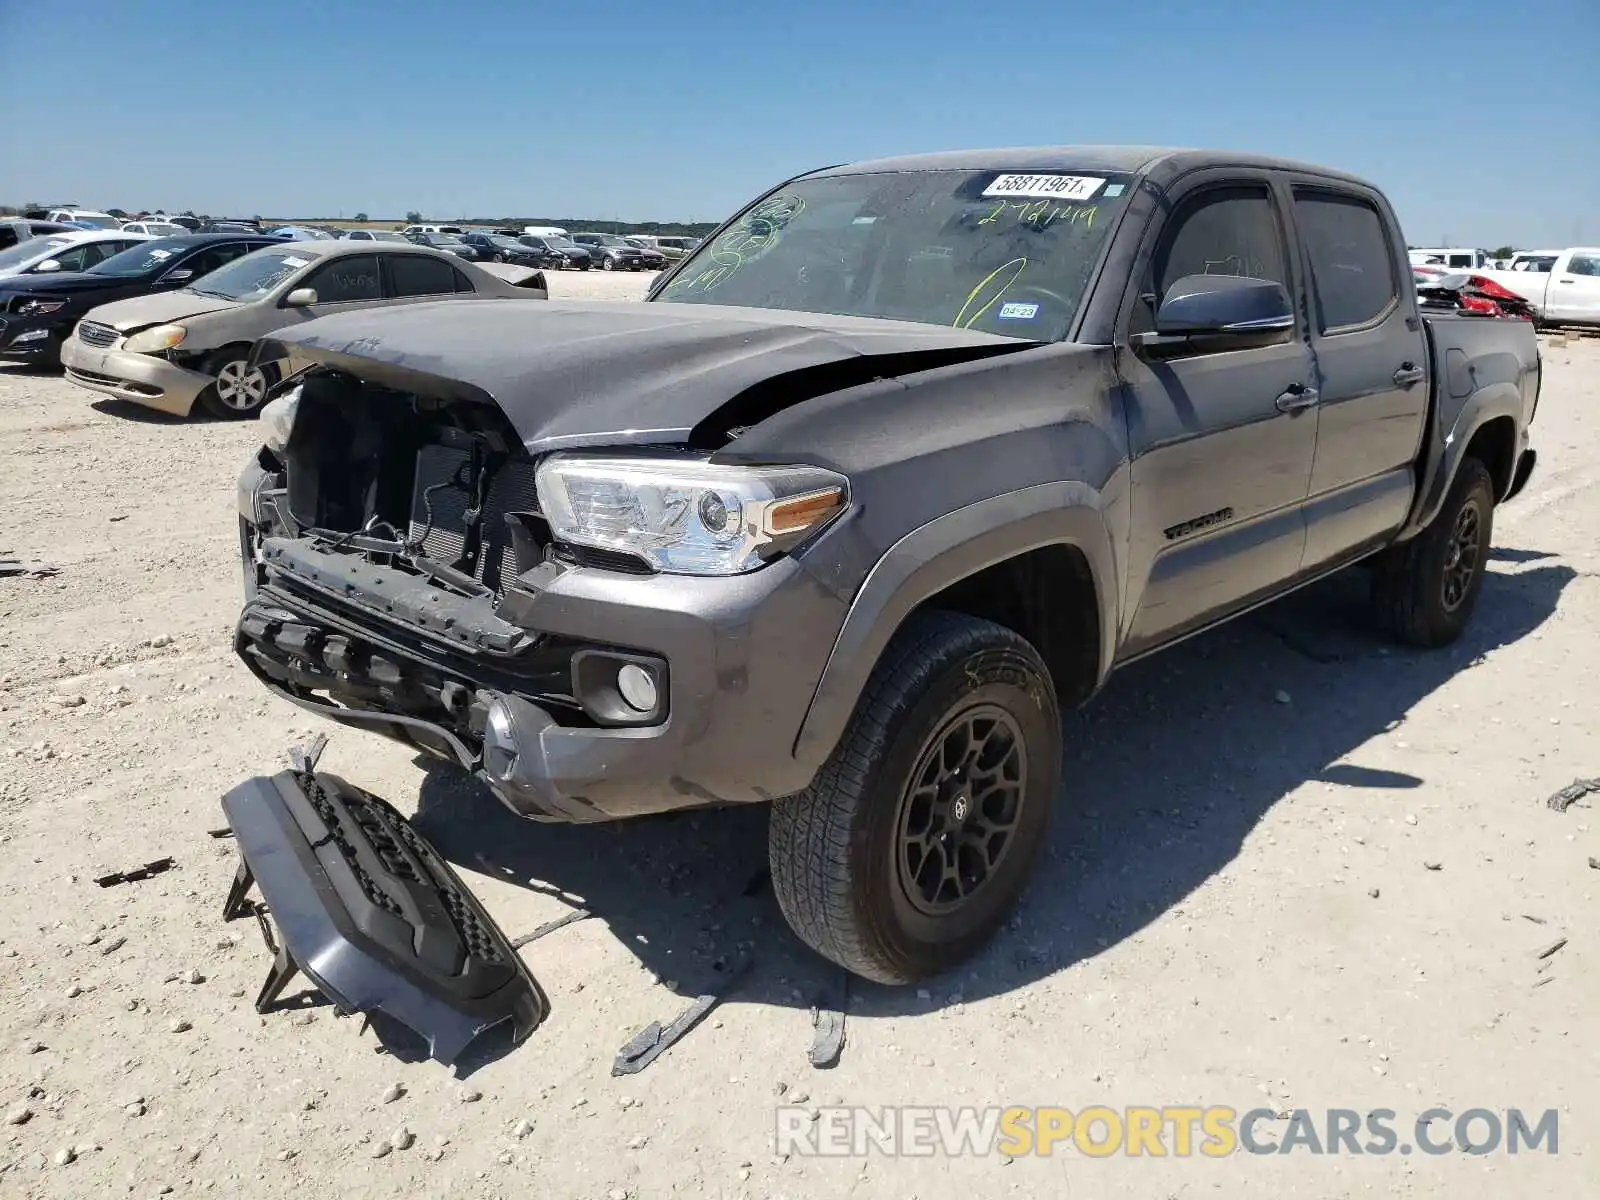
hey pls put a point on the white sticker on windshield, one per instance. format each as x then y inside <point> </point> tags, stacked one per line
<point>294,264</point>
<point>1045,187</point>
<point>161,254</point>
<point>1015,311</point>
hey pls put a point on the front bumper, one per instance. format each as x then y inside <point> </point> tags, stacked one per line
<point>743,656</point>
<point>142,378</point>
<point>32,339</point>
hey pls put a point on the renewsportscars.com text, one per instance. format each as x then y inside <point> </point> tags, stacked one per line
<point>1207,1131</point>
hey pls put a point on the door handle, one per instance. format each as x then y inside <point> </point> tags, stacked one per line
<point>1297,398</point>
<point>1408,374</point>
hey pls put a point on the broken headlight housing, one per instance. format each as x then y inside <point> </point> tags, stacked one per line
<point>686,516</point>
<point>155,340</point>
<point>277,419</point>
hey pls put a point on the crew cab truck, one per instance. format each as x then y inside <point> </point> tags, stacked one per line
<point>1563,291</point>
<point>905,457</point>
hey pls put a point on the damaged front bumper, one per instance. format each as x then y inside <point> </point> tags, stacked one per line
<point>521,687</point>
<point>146,379</point>
<point>372,915</point>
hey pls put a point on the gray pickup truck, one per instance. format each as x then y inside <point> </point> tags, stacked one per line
<point>903,458</point>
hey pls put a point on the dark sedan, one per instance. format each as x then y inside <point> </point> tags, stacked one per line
<point>450,243</point>
<point>611,252</point>
<point>38,312</point>
<point>565,255</point>
<point>497,247</point>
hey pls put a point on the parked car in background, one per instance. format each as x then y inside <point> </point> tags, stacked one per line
<point>671,248</point>
<point>230,227</point>
<point>300,233</point>
<point>20,229</point>
<point>610,252</point>
<point>1567,293</point>
<point>409,230</point>
<point>192,224</point>
<point>76,250</point>
<point>154,228</point>
<point>496,247</point>
<point>171,350</point>
<point>1539,261</point>
<point>545,230</point>
<point>37,312</point>
<point>450,243</point>
<point>571,256</point>
<point>1459,257</point>
<point>372,235</point>
<point>654,260</point>
<point>83,218</point>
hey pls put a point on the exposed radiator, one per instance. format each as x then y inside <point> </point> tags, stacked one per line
<point>443,476</point>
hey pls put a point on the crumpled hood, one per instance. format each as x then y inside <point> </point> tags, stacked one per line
<point>161,309</point>
<point>574,374</point>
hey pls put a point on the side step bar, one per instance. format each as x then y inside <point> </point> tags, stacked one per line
<point>372,914</point>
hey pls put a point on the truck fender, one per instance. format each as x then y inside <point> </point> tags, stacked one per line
<point>1447,445</point>
<point>944,551</point>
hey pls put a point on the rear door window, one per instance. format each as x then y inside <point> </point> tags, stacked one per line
<point>347,279</point>
<point>418,275</point>
<point>1352,270</point>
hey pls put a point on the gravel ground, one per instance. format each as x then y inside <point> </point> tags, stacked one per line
<point>1299,870</point>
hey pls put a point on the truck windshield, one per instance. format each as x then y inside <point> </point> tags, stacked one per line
<point>1000,252</point>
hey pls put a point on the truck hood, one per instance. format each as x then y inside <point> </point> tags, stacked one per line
<point>161,309</point>
<point>570,374</point>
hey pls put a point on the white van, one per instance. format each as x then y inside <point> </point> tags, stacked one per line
<point>544,230</point>
<point>410,229</point>
<point>1462,258</point>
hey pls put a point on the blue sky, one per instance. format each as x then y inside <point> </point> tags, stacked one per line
<point>1481,118</point>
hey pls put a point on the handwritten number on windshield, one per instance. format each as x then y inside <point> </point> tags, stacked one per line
<point>1041,214</point>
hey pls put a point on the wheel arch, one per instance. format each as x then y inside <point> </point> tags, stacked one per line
<point>1485,428</point>
<point>1038,560</point>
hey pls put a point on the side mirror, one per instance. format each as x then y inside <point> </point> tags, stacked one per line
<point>300,298</point>
<point>1235,306</point>
<point>181,275</point>
<point>48,266</point>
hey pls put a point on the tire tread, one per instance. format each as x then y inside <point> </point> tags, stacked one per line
<point>810,833</point>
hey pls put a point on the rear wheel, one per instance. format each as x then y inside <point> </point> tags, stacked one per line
<point>917,837</point>
<point>1424,590</point>
<point>239,390</point>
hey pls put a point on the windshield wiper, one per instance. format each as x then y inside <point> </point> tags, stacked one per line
<point>206,292</point>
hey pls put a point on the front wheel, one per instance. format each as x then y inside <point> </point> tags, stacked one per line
<point>499,257</point>
<point>1424,590</point>
<point>239,389</point>
<point>918,835</point>
<point>607,265</point>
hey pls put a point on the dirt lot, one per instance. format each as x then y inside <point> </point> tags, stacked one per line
<point>1294,869</point>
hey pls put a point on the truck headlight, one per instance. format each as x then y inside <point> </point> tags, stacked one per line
<point>155,339</point>
<point>686,516</point>
<point>277,419</point>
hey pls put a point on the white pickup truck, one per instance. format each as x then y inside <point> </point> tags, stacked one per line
<point>1568,293</point>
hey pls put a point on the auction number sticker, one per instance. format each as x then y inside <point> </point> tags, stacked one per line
<point>1045,187</point>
